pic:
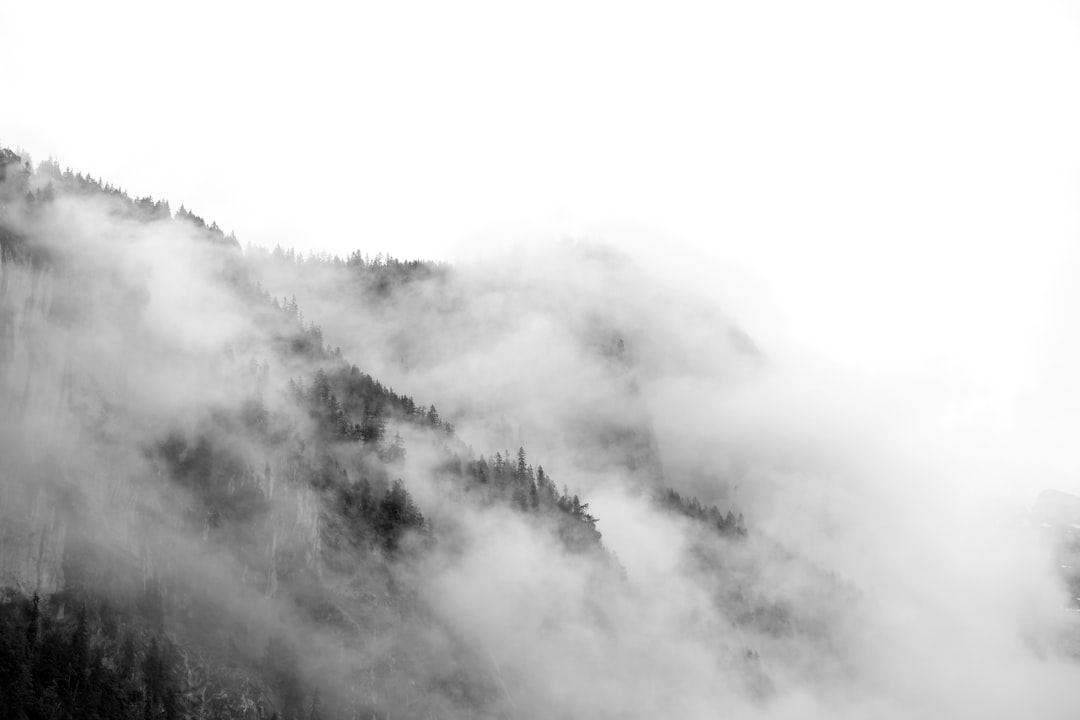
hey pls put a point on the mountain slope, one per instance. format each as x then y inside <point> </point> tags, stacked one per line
<point>219,515</point>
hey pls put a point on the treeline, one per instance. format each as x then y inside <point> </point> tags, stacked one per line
<point>728,524</point>
<point>377,276</point>
<point>512,481</point>
<point>59,663</point>
<point>42,185</point>
<point>356,259</point>
<point>351,405</point>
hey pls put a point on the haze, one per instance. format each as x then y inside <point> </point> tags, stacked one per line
<point>880,201</point>
<point>912,155</point>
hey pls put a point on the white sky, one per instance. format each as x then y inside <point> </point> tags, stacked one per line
<point>896,183</point>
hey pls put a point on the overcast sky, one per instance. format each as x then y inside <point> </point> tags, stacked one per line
<point>893,184</point>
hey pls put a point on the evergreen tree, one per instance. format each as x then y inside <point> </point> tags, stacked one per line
<point>521,471</point>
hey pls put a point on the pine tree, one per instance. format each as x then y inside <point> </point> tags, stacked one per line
<point>521,471</point>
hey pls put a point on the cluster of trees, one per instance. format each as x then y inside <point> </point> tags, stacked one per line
<point>513,481</point>
<point>71,666</point>
<point>369,519</point>
<point>76,657</point>
<point>525,487</point>
<point>728,524</point>
<point>49,173</point>
<point>349,404</point>
<point>15,175</point>
<point>45,183</point>
<point>378,276</point>
<point>358,260</point>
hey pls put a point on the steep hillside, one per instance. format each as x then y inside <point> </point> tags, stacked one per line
<point>208,511</point>
<point>565,348</point>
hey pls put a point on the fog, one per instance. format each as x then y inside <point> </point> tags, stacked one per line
<point>813,264</point>
<point>883,573</point>
<point>891,484</point>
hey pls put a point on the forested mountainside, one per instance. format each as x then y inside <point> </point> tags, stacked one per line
<point>210,509</point>
<point>566,347</point>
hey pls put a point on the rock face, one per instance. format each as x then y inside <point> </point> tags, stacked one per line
<point>32,539</point>
<point>33,524</point>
